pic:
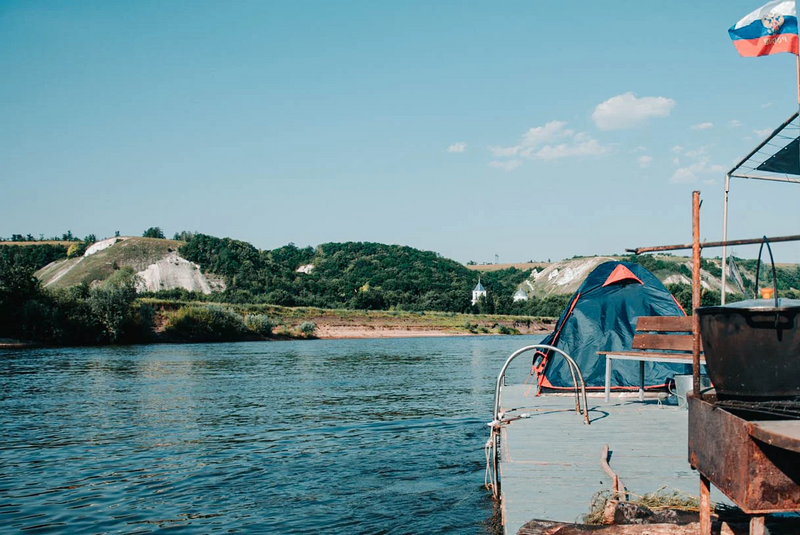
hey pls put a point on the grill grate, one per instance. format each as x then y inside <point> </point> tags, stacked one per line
<point>789,409</point>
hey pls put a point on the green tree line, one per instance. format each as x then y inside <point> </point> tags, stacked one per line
<point>355,275</point>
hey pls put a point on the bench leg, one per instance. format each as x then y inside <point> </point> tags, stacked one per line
<point>608,379</point>
<point>641,380</point>
<point>757,525</point>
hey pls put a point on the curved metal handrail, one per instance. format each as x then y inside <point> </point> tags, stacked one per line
<point>574,371</point>
<point>491,445</point>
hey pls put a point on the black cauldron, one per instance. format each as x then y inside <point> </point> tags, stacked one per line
<point>752,348</point>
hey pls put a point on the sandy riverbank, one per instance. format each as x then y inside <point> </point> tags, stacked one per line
<point>343,332</point>
<point>334,332</point>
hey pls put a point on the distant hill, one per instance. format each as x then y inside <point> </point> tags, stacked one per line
<point>156,261</point>
<point>359,275</point>
<point>523,266</point>
<point>566,276</point>
<point>355,275</point>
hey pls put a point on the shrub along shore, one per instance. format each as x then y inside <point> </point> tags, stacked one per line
<point>276,322</point>
<point>112,313</point>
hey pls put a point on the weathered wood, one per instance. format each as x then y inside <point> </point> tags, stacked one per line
<point>657,347</point>
<point>544,527</point>
<point>630,513</point>
<point>674,342</point>
<point>664,323</point>
<point>650,356</point>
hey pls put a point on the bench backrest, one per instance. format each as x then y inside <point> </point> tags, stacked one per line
<point>664,333</point>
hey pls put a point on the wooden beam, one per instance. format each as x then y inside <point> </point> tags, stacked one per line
<point>696,290</point>
<point>705,245</point>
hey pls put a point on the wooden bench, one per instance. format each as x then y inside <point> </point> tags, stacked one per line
<point>665,339</point>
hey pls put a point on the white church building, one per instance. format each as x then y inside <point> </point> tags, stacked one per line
<point>477,292</point>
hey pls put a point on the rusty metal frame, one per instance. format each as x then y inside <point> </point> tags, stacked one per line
<point>759,478</point>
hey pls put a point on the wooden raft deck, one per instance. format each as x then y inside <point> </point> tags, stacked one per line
<point>550,464</point>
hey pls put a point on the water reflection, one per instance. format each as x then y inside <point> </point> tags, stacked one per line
<point>340,436</point>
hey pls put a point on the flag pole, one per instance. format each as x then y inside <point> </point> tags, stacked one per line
<point>797,77</point>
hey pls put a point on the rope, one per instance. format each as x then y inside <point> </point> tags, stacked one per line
<point>490,477</point>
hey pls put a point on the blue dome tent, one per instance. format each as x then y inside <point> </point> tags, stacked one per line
<point>601,316</point>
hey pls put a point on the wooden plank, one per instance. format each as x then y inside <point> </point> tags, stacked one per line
<point>674,342</point>
<point>784,434</point>
<point>670,358</point>
<point>544,527</point>
<point>651,356</point>
<point>664,323</point>
<point>645,355</point>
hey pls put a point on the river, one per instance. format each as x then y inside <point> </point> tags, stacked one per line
<point>334,436</point>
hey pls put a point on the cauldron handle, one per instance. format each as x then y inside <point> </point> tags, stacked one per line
<point>774,275</point>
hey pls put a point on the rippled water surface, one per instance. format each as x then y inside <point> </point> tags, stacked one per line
<point>360,436</point>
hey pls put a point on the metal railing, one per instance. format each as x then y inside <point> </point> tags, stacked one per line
<point>579,386</point>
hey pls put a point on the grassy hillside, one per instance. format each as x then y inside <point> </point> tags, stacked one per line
<point>138,253</point>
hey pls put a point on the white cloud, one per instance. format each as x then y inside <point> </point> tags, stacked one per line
<point>699,163</point>
<point>457,147</point>
<point>688,174</point>
<point>586,146</point>
<point>697,152</point>
<point>543,134</point>
<point>628,111</point>
<point>764,132</point>
<point>640,148</point>
<point>683,176</point>
<point>766,105</point>
<point>702,126</point>
<point>645,161</point>
<point>542,143</point>
<point>710,182</point>
<point>504,151</point>
<point>507,165</point>
<point>734,123</point>
<point>534,138</point>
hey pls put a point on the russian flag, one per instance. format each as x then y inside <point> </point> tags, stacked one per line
<point>769,29</point>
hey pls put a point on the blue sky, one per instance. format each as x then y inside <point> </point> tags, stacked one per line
<point>530,130</point>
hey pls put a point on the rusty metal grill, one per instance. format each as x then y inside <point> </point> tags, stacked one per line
<point>783,409</point>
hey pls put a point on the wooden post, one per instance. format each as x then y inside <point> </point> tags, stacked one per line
<point>757,525</point>
<point>695,291</point>
<point>705,505</point>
